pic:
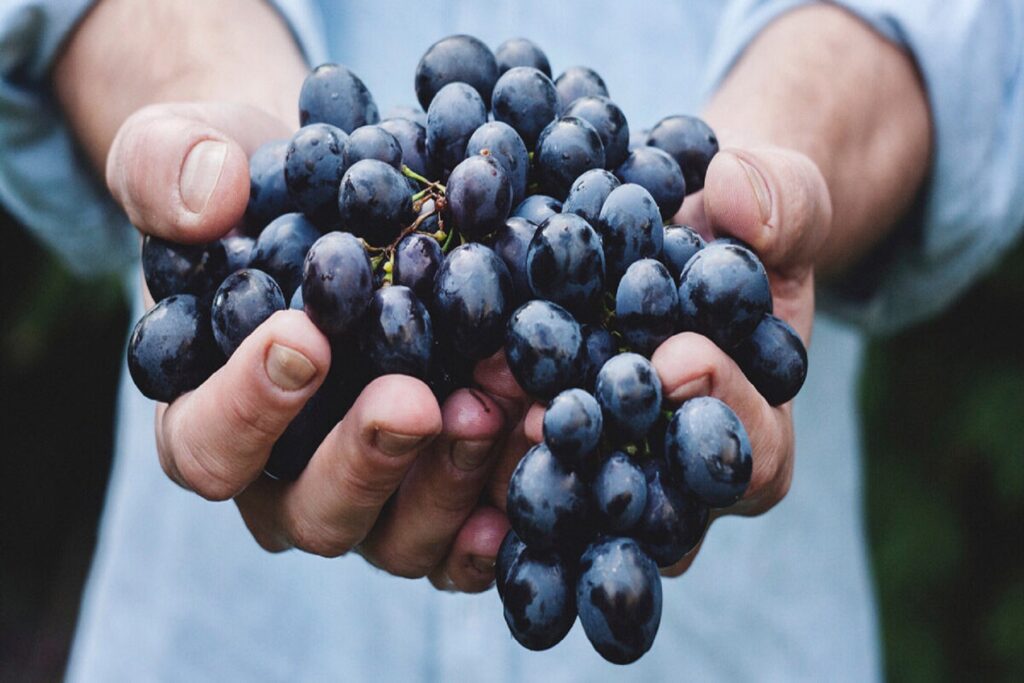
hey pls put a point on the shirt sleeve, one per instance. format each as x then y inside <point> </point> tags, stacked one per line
<point>971,57</point>
<point>45,181</point>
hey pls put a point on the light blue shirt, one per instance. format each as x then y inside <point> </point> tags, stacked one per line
<point>179,591</point>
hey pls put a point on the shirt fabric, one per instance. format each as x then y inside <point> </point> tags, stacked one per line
<point>180,591</point>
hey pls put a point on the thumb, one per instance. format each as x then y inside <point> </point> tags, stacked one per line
<point>181,171</point>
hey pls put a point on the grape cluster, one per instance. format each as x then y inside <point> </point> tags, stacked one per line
<point>512,213</point>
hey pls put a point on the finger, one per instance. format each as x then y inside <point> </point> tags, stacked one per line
<point>469,566</point>
<point>533,423</point>
<point>683,565</point>
<point>511,450</point>
<point>181,172</point>
<point>334,503</point>
<point>691,365</point>
<point>215,440</point>
<point>494,376</point>
<point>440,491</point>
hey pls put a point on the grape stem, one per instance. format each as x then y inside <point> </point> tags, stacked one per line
<point>431,184</point>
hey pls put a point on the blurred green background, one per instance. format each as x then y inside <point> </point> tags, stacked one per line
<point>944,408</point>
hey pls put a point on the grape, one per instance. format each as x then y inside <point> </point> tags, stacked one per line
<point>171,268</point>
<point>238,250</point>
<point>455,58</point>
<point>372,142</point>
<point>646,306</point>
<point>659,173</point>
<point>708,451</point>
<point>629,392</point>
<point>566,148</point>
<point>724,293</point>
<point>537,207</point>
<point>547,503</point>
<point>313,167</point>
<point>397,336</point>
<point>671,524</point>
<point>503,144</point>
<point>268,191</point>
<point>472,300</point>
<point>609,122</point>
<point>417,258</point>
<point>296,303</point>
<point>478,197</point>
<point>525,99</point>
<point>336,283</point>
<point>630,228</point>
<point>509,551</point>
<point>171,350</point>
<point>539,600</point>
<point>598,347</point>
<point>774,360</point>
<point>689,141</point>
<point>620,494</point>
<point>409,113</point>
<point>588,194</point>
<point>521,52</point>
<point>281,248</point>
<point>333,94</point>
<point>243,301</point>
<point>454,115</point>
<point>374,202</point>
<point>449,370</point>
<point>511,242</point>
<point>543,348</point>
<point>572,427</point>
<point>412,138</point>
<point>681,243</point>
<point>565,265</point>
<point>618,596</point>
<point>576,82</point>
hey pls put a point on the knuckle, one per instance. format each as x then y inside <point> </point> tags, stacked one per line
<point>254,425</point>
<point>401,562</point>
<point>203,472</point>
<point>317,538</point>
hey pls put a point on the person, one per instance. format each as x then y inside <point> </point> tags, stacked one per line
<point>856,161</point>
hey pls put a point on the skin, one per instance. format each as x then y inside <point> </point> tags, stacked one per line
<point>833,153</point>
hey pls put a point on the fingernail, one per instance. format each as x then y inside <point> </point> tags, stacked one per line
<point>484,565</point>
<point>469,455</point>
<point>695,387</point>
<point>397,444</point>
<point>289,369</point>
<point>200,173</point>
<point>760,188</point>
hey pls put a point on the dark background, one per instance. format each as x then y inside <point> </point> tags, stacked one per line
<point>944,430</point>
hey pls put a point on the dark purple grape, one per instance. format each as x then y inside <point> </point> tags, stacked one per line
<point>499,141</point>
<point>243,301</point>
<point>646,306</point>
<point>337,283</point>
<point>724,293</point>
<point>539,600</point>
<point>409,113</point>
<point>521,52</point>
<point>609,122</point>
<point>333,94</point>
<point>543,348</point>
<point>547,503</point>
<point>659,173</point>
<point>572,427</point>
<point>511,242</point>
<point>629,392</point>
<point>171,350</point>
<point>454,115</point>
<point>478,197</point>
<point>412,138</point>
<point>281,248</point>
<point>774,359</point>
<point>681,243</point>
<point>671,524</point>
<point>374,202</point>
<point>372,142</point>
<point>576,82</point>
<point>268,191</point>
<point>417,258</point>
<point>588,194</point>
<point>619,492</point>
<point>566,149</point>
<point>453,59</point>
<point>598,347</point>
<point>689,141</point>
<point>313,168</point>
<point>537,207</point>
<point>238,250</point>
<point>630,228</point>
<point>170,268</point>
<point>509,551</point>
<point>473,300</point>
<point>525,99</point>
<point>565,264</point>
<point>708,451</point>
<point>618,596</point>
<point>396,335</point>
<point>448,370</point>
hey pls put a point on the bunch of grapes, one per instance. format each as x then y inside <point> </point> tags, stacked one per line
<point>516,213</point>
